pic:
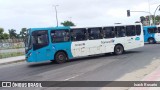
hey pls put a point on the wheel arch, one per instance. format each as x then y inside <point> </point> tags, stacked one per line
<point>61,51</point>
<point>119,44</point>
<point>151,38</point>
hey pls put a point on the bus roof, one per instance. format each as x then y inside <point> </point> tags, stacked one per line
<point>149,26</point>
<point>113,25</point>
<point>63,27</point>
<point>49,28</point>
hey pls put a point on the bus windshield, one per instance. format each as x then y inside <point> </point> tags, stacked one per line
<point>28,44</point>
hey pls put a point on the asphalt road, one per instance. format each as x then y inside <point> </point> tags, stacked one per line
<point>97,68</point>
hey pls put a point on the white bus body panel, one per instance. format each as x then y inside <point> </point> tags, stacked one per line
<point>99,46</point>
<point>157,37</point>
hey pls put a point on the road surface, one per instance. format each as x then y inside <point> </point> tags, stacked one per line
<point>98,68</point>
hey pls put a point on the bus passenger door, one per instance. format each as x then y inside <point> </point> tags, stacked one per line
<point>41,45</point>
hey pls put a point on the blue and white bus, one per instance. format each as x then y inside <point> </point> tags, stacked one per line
<point>151,34</point>
<point>63,43</point>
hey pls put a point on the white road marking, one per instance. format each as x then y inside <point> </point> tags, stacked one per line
<point>73,77</point>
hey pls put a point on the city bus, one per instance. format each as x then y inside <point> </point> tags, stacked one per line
<point>60,44</point>
<point>151,34</point>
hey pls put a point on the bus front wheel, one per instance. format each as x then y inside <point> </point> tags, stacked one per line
<point>118,50</point>
<point>151,40</point>
<point>60,57</point>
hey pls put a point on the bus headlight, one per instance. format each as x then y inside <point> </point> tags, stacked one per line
<point>29,54</point>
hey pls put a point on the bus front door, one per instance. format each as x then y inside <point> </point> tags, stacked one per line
<point>41,45</point>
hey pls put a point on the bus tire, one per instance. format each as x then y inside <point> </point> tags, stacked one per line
<point>118,50</point>
<point>60,57</point>
<point>151,41</point>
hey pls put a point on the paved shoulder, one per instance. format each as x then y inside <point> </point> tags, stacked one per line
<point>11,60</point>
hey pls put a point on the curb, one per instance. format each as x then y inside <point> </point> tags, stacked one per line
<point>17,61</point>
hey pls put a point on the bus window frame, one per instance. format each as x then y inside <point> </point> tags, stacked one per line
<point>66,30</point>
<point>126,31</point>
<point>116,32</point>
<point>158,29</point>
<point>85,34</point>
<point>104,33</point>
<point>155,29</point>
<point>138,28</point>
<point>101,33</point>
<point>37,46</point>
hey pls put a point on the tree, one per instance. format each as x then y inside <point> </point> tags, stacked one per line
<point>12,33</point>
<point>142,18</point>
<point>23,33</point>
<point>157,20</point>
<point>3,35</point>
<point>1,30</point>
<point>145,20</point>
<point>68,23</point>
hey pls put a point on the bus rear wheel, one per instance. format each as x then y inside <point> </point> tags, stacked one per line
<point>118,50</point>
<point>151,40</point>
<point>60,57</point>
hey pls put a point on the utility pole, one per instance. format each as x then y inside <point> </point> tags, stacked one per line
<point>55,6</point>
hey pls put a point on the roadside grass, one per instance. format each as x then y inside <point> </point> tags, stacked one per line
<point>13,54</point>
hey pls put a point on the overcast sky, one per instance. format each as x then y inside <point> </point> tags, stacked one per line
<point>17,14</point>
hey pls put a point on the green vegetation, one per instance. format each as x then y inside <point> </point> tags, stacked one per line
<point>12,34</point>
<point>13,54</point>
<point>68,23</point>
<point>3,35</point>
<point>145,20</point>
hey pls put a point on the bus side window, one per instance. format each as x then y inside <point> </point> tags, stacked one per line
<point>108,32</point>
<point>95,33</point>
<point>158,30</point>
<point>138,30</point>
<point>130,30</point>
<point>120,31</point>
<point>144,32</point>
<point>152,30</point>
<point>40,37</point>
<point>78,34</point>
<point>60,36</point>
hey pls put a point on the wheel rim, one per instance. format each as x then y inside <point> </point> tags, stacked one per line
<point>151,40</point>
<point>119,50</point>
<point>61,57</point>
